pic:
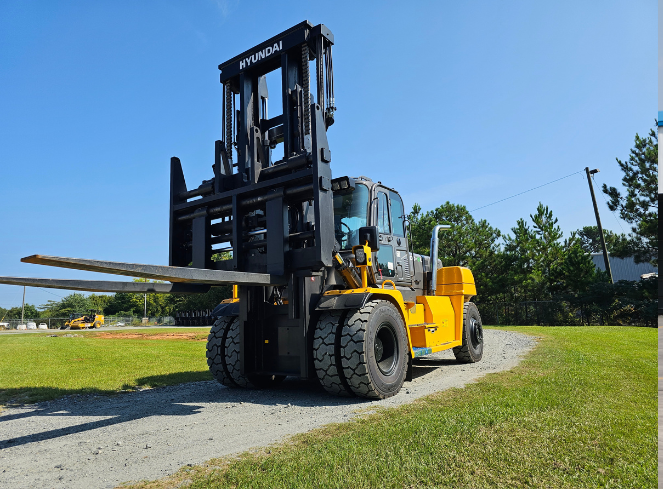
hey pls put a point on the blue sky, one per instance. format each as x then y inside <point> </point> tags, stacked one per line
<point>469,102</point>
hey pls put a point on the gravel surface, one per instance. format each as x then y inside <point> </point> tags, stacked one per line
<point>97,441</point>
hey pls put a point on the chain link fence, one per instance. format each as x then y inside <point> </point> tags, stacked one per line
<point>562,313</point>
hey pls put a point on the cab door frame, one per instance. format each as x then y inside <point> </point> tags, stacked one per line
<point>400,243</point>
<point>400,273</point>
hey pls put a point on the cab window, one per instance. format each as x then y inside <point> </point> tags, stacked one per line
<point>350,210</point>
<point>383,213</point>
<point>385,262</point>
<point>397,214</point>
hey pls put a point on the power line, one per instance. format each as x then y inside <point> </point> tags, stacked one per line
<point>521,193</point>
<point>52,293</point>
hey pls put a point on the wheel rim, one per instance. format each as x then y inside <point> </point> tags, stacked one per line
<point>476,333</point>
<point>385,349</point>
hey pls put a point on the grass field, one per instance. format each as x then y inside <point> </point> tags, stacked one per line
<point>37,367</point>
<point>580,411</point>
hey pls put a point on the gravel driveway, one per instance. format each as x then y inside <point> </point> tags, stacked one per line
<point>97,441</point>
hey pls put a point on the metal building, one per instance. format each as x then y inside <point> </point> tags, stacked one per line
<point>624,268</point>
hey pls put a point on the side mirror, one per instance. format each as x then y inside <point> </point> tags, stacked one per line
<point>370,234</point>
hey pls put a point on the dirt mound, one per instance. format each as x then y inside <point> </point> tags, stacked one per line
<point>152,336</point>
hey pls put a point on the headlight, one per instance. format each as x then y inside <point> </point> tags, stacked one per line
<point>360,256</point>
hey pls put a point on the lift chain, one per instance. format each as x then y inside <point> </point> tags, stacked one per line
<point>306,77</point>
<point>228,121</point>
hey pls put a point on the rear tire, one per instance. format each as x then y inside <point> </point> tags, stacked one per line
<point>471,350</point>
<point>232,349</point>
<point>374,350</point>
<point>327,354</point>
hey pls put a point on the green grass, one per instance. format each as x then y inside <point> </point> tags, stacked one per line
<point>580,411</point>
<point>36,367</point>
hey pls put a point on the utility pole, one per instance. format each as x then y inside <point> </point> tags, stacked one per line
<point>23,306</point>
<point>145,308</point>
<point>598,222</point>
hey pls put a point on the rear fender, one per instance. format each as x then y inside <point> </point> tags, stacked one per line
<point>345,301</point>
<point>356,300</point>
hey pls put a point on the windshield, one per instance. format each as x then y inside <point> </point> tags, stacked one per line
<point>350,215</point>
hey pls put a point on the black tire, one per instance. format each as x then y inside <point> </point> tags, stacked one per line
<point>327,354</point>
<point>471,350</point>
<point>232,349</point>
<point>374,350</point>
<point>216,350</point>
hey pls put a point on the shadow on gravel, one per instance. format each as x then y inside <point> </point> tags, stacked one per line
<point>124,415</point>
<point>167,400</point>
<point>171,379</point>
<point>424,366</point>
<point>173,400</point>
<point>29,395</point>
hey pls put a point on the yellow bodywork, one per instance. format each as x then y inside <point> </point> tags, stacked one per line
<point>433,323</point>
<point>85,322</point>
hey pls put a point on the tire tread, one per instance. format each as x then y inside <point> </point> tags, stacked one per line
<point>354,355</point>
<point>232,357</point>
<point>326,357</point>
<point>463,353</point>
<point>216,358</point>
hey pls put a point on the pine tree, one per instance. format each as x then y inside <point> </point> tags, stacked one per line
<point>639,207</point>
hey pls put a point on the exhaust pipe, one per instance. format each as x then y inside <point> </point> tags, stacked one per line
<point>433,254</point>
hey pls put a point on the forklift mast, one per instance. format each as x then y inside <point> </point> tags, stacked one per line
<point>264,216</point>
<point>258,216</point>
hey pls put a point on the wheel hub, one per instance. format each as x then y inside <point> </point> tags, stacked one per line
<point>385,348</point>
<point>476,332</point>
<point>379,349</point>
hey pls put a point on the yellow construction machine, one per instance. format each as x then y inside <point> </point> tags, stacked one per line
<point>84,321</point>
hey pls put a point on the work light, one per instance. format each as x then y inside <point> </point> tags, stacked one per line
<point>343,185</point>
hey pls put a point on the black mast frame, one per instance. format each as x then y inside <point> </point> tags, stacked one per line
<point>273,217</point>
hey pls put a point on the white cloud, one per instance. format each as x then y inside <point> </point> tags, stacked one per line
<point>225,7</point>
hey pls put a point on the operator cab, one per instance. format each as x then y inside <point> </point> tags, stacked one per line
<point>362,202</point>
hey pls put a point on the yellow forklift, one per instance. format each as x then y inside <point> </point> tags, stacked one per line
<point>327,285</point>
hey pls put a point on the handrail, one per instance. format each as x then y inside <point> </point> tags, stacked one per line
<point>391,282</point>
<point>433,254</point>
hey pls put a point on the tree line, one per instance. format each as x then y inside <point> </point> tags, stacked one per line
<point>536,267</point>
<point>121,304</point>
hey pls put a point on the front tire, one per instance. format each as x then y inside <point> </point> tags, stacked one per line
<point>471,350</point>
<point>232,363</point>
<point>216,350</point>
<point>374,350</point>
<point>327,355</point>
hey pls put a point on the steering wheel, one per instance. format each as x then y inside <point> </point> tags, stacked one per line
<point>343,235</point>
